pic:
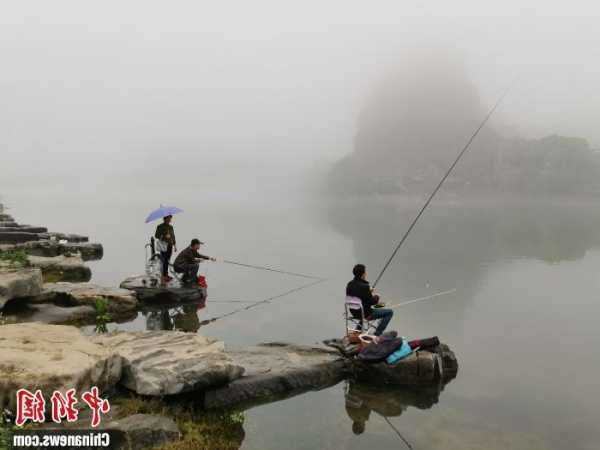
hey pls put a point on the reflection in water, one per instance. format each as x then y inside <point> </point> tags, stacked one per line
<point>455,241</point>
<point>387,401</point>
<point>176,318</point>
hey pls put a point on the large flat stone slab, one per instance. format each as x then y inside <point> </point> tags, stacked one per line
<point>118,300</point>
<point>151,290</point>
<point>19,283</point>
<point>61,268</point>
<point>87,250</point>
<point>16,237</point>
<point>52,357</point>
<point>63,237</point>
<point>274,371</point>
<point>25,228</point>
<point>161,363</point>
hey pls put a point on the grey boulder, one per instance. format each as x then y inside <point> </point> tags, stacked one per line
<point>274,371</point>
<point>61,268</point>
<point>19,283</point>
<point>161,363</point>
<point>141,431</point>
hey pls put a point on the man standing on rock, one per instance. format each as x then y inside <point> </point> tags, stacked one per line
<point>187,262</point>
<point>359,287</point>
<point>166,244</point>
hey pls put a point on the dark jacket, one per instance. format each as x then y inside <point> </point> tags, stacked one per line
<point>378,352</point>
<point>361,289</point>
<point>188,256</point>
<point>163,230</point>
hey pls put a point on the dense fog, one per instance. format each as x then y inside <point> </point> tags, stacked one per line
<point>221,93</point>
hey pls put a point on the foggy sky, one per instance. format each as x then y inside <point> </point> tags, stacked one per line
<point>112,86</point>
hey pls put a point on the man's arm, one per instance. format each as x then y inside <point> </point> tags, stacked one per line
<point>200,256</point>
<point>367,295</point>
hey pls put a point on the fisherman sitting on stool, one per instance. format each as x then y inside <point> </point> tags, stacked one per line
<point>187,262</point>
<point>359,287</point>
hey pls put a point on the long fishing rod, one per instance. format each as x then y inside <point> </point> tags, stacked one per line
<point>421,299</point>
<point>437,188</point>
<point>271,269</point>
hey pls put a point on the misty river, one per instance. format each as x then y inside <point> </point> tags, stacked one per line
<point>522,321</point>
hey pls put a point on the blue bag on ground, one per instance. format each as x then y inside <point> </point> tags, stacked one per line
<point>402,352</point>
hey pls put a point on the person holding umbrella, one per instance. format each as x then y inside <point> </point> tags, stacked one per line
<point>165,235</point>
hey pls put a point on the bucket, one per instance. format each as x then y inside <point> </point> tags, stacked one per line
<point>366,340</point>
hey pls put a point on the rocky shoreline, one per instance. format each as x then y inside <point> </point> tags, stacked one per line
<point>44,279</point>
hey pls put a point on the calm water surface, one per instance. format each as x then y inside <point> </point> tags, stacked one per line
<point>523,319</point>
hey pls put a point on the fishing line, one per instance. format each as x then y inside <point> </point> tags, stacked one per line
<point>271,269</point>
<point>420,299</point>
<point>437,188</point>
<point>260,302</point>
<point>397,432</point>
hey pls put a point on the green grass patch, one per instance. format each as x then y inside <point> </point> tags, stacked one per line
<point>200,430</point>
<point>102,315</point>
<point>16,258</point>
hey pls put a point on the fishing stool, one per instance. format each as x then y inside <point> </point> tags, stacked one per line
<point>355,317</point>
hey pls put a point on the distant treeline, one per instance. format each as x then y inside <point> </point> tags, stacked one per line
<point>553,165</point>
<point>415,123</point>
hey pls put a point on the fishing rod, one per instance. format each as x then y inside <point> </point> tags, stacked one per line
<point>437,188</point>
<point>420,299</point>
<point>271,269</point>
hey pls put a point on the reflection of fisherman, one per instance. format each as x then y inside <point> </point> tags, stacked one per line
<point>187,262</point>
<point>358,411</point>
<point>158,320</point>
<point>361,399</point>
<point>181,318</point>
<point>165,235</point>
<point>186,318</point>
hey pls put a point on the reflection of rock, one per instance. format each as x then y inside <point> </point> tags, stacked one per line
<point>61,268</point>
<point>167,363</point>
<point>387,401</point>
<point>179,317</point>
<point>141,431</point>
<point>52,357</point>
<point>56,314</point>
<point>16,284</point>
<point>451,242</point>
<point>148,289</point>
<point>118,300</point>
<point>274,371</point>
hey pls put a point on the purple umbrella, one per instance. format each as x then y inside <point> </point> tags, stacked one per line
<point>163,211</point>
